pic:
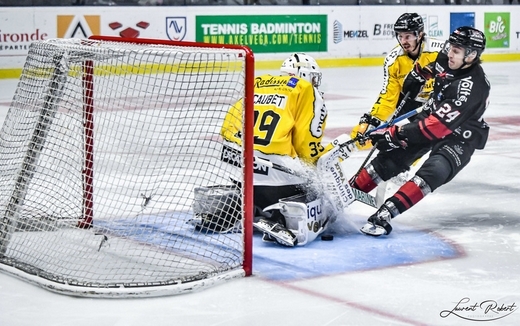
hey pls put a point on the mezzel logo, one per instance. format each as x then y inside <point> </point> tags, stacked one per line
<point>487,310</point>
<point>129,32</point>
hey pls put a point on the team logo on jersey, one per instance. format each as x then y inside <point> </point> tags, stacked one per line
<point>320,114</point>
<point>176,28</point>
<point>234,157</point>
<point>275,81</point>
<point>292,82</point>
<point>231,156</point>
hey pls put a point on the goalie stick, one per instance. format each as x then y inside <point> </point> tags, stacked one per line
<point>340,186</point>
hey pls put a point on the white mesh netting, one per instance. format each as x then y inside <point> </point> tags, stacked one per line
<point>116,136</point>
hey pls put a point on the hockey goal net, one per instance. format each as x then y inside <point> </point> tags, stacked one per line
<point>104,143</point>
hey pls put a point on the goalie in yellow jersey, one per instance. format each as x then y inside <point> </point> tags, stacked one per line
<point>290,118</point>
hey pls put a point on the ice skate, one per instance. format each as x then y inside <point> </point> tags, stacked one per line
<point>379,223</point>
<point>277,232</point>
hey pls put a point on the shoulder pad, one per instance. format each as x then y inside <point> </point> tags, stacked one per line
<point>393,54</point>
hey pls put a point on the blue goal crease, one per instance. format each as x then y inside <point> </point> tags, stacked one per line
<point>170,231</point>
<point>348,253</point>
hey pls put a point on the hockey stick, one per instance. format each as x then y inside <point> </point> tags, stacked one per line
<point>389,123</point>
<point>384,125</point>
<point>339,152</point>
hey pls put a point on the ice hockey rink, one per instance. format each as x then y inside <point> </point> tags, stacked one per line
<point>454,259</point>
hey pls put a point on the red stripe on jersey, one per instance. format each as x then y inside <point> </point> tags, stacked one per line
<point>432,128</point>
<point>409,194</point>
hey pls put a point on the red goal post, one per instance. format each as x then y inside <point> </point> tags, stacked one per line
<point>104,143</point>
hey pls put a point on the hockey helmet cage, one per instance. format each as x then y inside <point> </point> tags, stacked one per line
<point>303,66</point>
<point>468,38</point>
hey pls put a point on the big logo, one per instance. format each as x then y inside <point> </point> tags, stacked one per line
<point>176,28</point>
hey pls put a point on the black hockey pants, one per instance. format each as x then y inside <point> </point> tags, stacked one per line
<point>447,158</point>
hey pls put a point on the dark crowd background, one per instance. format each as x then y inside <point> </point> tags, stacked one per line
<point>25,3</point>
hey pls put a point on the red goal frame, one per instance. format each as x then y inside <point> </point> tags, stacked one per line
<point>247,140</point>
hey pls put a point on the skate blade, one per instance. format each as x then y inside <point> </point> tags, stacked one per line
<point>282,237</point>
<point>267,238</point>
<point>373,230</point>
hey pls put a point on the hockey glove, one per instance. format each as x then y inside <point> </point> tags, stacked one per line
<point>366,123</point>
<point>387,139</point>
<point>422,74</point>
<point>416,79</point>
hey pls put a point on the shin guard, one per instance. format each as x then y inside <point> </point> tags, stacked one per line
<point>410,193</point>
<point>367,179</point>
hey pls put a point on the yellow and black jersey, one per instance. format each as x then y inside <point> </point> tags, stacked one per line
<point>396,67</point>
<point>290,117</point>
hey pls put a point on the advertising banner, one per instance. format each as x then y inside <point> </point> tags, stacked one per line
<point>326,32</point>
<point>496,28</point>
<point>265,33</point>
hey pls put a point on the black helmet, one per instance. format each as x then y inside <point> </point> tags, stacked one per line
<point>469,38</point>
<point>409,22</point>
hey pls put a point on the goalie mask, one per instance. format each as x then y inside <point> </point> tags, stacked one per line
<point>303,66</point>
<point>470,40</point>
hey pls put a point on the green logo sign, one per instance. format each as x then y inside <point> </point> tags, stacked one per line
<point>497,29</point>
<point>263,34</point>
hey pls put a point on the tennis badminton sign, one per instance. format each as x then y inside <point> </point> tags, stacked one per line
<point>266,33</point>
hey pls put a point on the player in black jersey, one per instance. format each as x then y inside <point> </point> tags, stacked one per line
<point>451,126</point>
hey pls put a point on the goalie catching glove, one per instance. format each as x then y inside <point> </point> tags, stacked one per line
<point>366,123</point>
<point>387,139</point>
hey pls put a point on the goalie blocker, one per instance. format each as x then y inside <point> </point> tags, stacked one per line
<point>217,208</point>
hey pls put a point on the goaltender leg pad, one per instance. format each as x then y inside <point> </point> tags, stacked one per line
<point>217,208</point>
<point>330,169</point>
<point>305,216</point>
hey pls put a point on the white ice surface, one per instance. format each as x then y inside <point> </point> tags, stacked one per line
<point>477,214</point>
